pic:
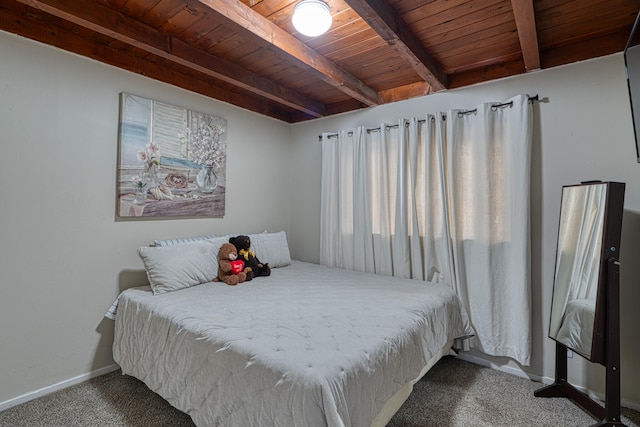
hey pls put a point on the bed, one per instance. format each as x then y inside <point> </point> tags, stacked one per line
<point>307,346</point>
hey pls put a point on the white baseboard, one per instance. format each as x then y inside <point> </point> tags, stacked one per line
<point>544,380</point>
<point>55,387</point>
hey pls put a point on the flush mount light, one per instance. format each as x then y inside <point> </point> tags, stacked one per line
<point>312,17</point>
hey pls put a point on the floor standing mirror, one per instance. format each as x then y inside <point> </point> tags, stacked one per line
<point>585,315</point>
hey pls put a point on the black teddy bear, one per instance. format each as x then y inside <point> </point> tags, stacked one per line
<point>252,265</point>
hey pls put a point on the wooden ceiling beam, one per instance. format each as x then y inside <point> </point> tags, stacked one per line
<point>106,21</point>
<point>384,20</point>
<point>239,15</point>
<point>409,91</point>
<point>526,25</point>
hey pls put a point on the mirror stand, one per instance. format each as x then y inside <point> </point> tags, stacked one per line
<point>610,413</point>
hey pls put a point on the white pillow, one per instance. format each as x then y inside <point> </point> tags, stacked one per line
<point>271,248</point>
<point>181,240</point>
<point>170,268</point>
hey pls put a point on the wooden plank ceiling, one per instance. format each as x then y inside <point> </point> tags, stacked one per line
<point>247,53</point>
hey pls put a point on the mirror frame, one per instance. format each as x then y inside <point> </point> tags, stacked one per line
<point>633,80</point>
<point>610,248</point>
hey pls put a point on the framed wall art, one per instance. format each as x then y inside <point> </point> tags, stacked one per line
<point>171,160</point>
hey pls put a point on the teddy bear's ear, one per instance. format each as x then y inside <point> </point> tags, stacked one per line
<point>232,240</point>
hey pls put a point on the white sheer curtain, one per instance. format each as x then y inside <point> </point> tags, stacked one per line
<point>383,201</point>
<point>447,203</point>
<point>488,176</point>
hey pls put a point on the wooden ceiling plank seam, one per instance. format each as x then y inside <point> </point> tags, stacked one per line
<point>218,34</point>
<point>603,44</point>
<point>99,19</point>
<point>306,84</point>
<point>571,8</point>
<point>503,35</point>
<point>583,17</point>
<point>342,38</point>
<point>434,6</point>
<point>197,30</point>
<point>486,54</point>
<point>481,46</point>
<point>236,46</point>
<point>116,4</point>
<point>267,9</point>
<point>343,106</point>
<point>185,19</point>
<point>377,58</point>
<point>357,46</point>
<point>485,47</point>
<point>237,14</point>
<point>241,51</point>
<point>225,47</point>
<point>559,34</point>
<point>478,65</point>
<point>160,13</point>
<point>467,20</point>
<point>388,24</point>
<point>435,36</point>
<point>457,15</point>
<point>487,73</point>
<point>136,9</point>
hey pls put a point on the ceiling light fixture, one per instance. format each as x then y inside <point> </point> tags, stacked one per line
<point>312,17</point>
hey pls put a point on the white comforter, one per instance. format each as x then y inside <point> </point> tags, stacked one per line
<point>307,346</point>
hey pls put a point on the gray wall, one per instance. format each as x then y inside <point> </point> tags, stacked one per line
<point>63,255</point>
<point>583,132</point>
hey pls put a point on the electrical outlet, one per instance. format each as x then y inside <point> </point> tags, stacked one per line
<point>570,354</point>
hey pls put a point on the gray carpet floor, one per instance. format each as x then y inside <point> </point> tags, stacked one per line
<point>453,394</point>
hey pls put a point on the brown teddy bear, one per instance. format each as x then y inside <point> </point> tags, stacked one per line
<point>229,266</point>
<point>253,266</point>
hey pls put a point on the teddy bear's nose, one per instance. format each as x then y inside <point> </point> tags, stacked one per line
<point>232,256</point>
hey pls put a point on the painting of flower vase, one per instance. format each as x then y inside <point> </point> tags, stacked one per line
<point>171,160</point>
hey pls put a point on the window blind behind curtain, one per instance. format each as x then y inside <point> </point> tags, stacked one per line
<point>441,198</point>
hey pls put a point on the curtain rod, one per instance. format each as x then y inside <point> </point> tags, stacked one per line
<point>494,107</point>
